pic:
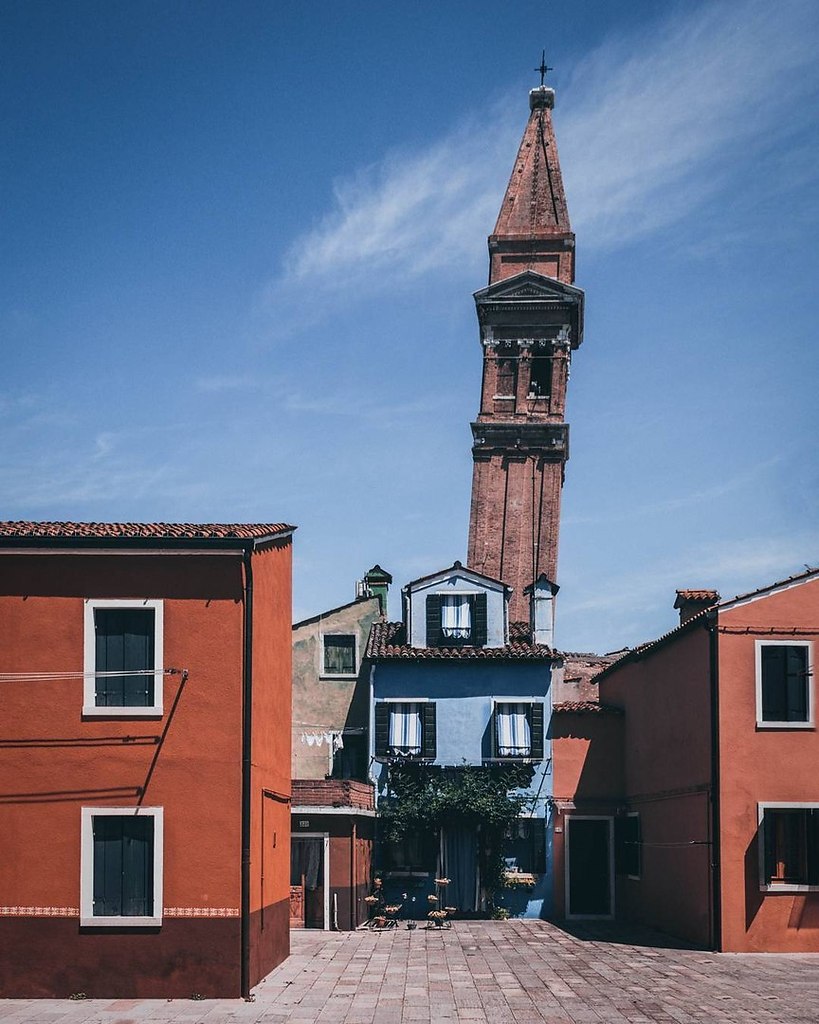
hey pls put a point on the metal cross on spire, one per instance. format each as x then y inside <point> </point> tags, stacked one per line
<point>543,69</point>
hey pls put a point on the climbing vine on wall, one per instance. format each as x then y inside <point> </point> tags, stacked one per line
<point>426,797</point>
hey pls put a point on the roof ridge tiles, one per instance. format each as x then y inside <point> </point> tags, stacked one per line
<point>387,641</point>
<point>31,530</point>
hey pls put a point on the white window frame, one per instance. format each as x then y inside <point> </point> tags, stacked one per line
<point>530,701</point>
<point>90,707</point>
<point>396,700</point>
<point>325,837</point>
<point>760,724</point>
<point>87,918</point>
<point>779,805</point>
<point>323,674</point>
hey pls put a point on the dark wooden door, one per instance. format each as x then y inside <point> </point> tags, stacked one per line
<point>589,867</point>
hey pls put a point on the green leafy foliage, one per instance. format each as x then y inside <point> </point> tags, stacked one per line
<point>482,797</point>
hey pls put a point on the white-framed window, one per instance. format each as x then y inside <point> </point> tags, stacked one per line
<point>123,662</point>
<point>454,620</point>
<point>513,729</point>
<point>517,729</point>
<point>456,616</point>
<point>121,867</point>
<point>789,847</point>
<point>405,728</point>
<point>784,690</point>
<point>338,654</point>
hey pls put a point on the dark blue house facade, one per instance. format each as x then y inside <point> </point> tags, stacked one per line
<point>456,687</point>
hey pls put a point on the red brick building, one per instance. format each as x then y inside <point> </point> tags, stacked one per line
<point>145,757</point>
<point>531,318</point>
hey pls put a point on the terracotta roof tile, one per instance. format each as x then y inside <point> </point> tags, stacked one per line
<point>585,707</point>
<point>142,531</point>
<point>388,641</point>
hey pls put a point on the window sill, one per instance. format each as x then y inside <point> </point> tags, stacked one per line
<point>121,712</point>
<point>339,675</point>
<point>785,725</point>
<point>120,922</point>
<point>787,887</point>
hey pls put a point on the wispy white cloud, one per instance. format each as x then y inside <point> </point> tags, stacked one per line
<point>412,213</point>
<point>748,477</point>
<point>354,406</point>
<point>648,135</point>
<point>104,444</point>
<point>648,128</point>
<point>217,383</point>
<point>623,602</point>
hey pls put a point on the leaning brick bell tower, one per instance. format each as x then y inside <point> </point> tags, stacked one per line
<point>531,318</point>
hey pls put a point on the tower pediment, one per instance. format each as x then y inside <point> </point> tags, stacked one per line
<point>530,285</point>
<point>533,298</point>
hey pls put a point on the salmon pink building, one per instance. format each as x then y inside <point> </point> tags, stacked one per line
<point>144,758</point>
<point>716,828</point>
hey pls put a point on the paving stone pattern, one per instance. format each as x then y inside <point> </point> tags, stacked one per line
<point>486,972</point>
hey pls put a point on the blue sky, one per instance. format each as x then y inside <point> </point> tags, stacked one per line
<point>238,245</point>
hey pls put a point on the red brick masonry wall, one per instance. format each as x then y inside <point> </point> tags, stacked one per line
<point>333,793</point>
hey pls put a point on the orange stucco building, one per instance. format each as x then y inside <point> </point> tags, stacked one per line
<point>719,808</point>
<point>144,757</point>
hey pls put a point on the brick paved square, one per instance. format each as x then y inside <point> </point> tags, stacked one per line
<point>499,972</point>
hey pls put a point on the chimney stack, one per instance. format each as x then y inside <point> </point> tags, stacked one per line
<point>692,602</point>
<point>542,594</point>
<point>376,583</point>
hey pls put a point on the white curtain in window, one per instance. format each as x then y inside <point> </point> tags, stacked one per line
<point>405,728</point>
<point>456,620</point>
<point>514,733</point>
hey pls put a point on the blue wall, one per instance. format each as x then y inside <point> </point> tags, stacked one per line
<point>463,695</point>
<point>464,692</point>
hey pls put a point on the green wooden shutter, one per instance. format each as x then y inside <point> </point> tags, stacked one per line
<point>796,675</point>
<point>382,728</point>
<point>434,620</point>
<point>137,866</point>
<point>479,620</point>
<point>124,641</point>
<point>107,832</point>
<point>812,826</point>
<point>123,866</point>
<point>774,684</point>
<point>536,727</point>
<point>430,739</point>
<point>769,839</point>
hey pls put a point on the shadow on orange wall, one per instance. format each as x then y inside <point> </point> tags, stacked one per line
<point>753,897</point>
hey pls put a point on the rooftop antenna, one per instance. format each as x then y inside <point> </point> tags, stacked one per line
<point>543,69</point>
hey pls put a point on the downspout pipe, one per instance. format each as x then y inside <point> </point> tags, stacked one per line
<point>712,621</point>
<point>247,707</point>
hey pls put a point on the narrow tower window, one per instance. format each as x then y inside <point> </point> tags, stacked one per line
<point>540,381</point>
<point>507,377</point>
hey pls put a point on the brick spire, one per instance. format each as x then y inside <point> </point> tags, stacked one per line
<point>533,231</point>
<point>531,318</point>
